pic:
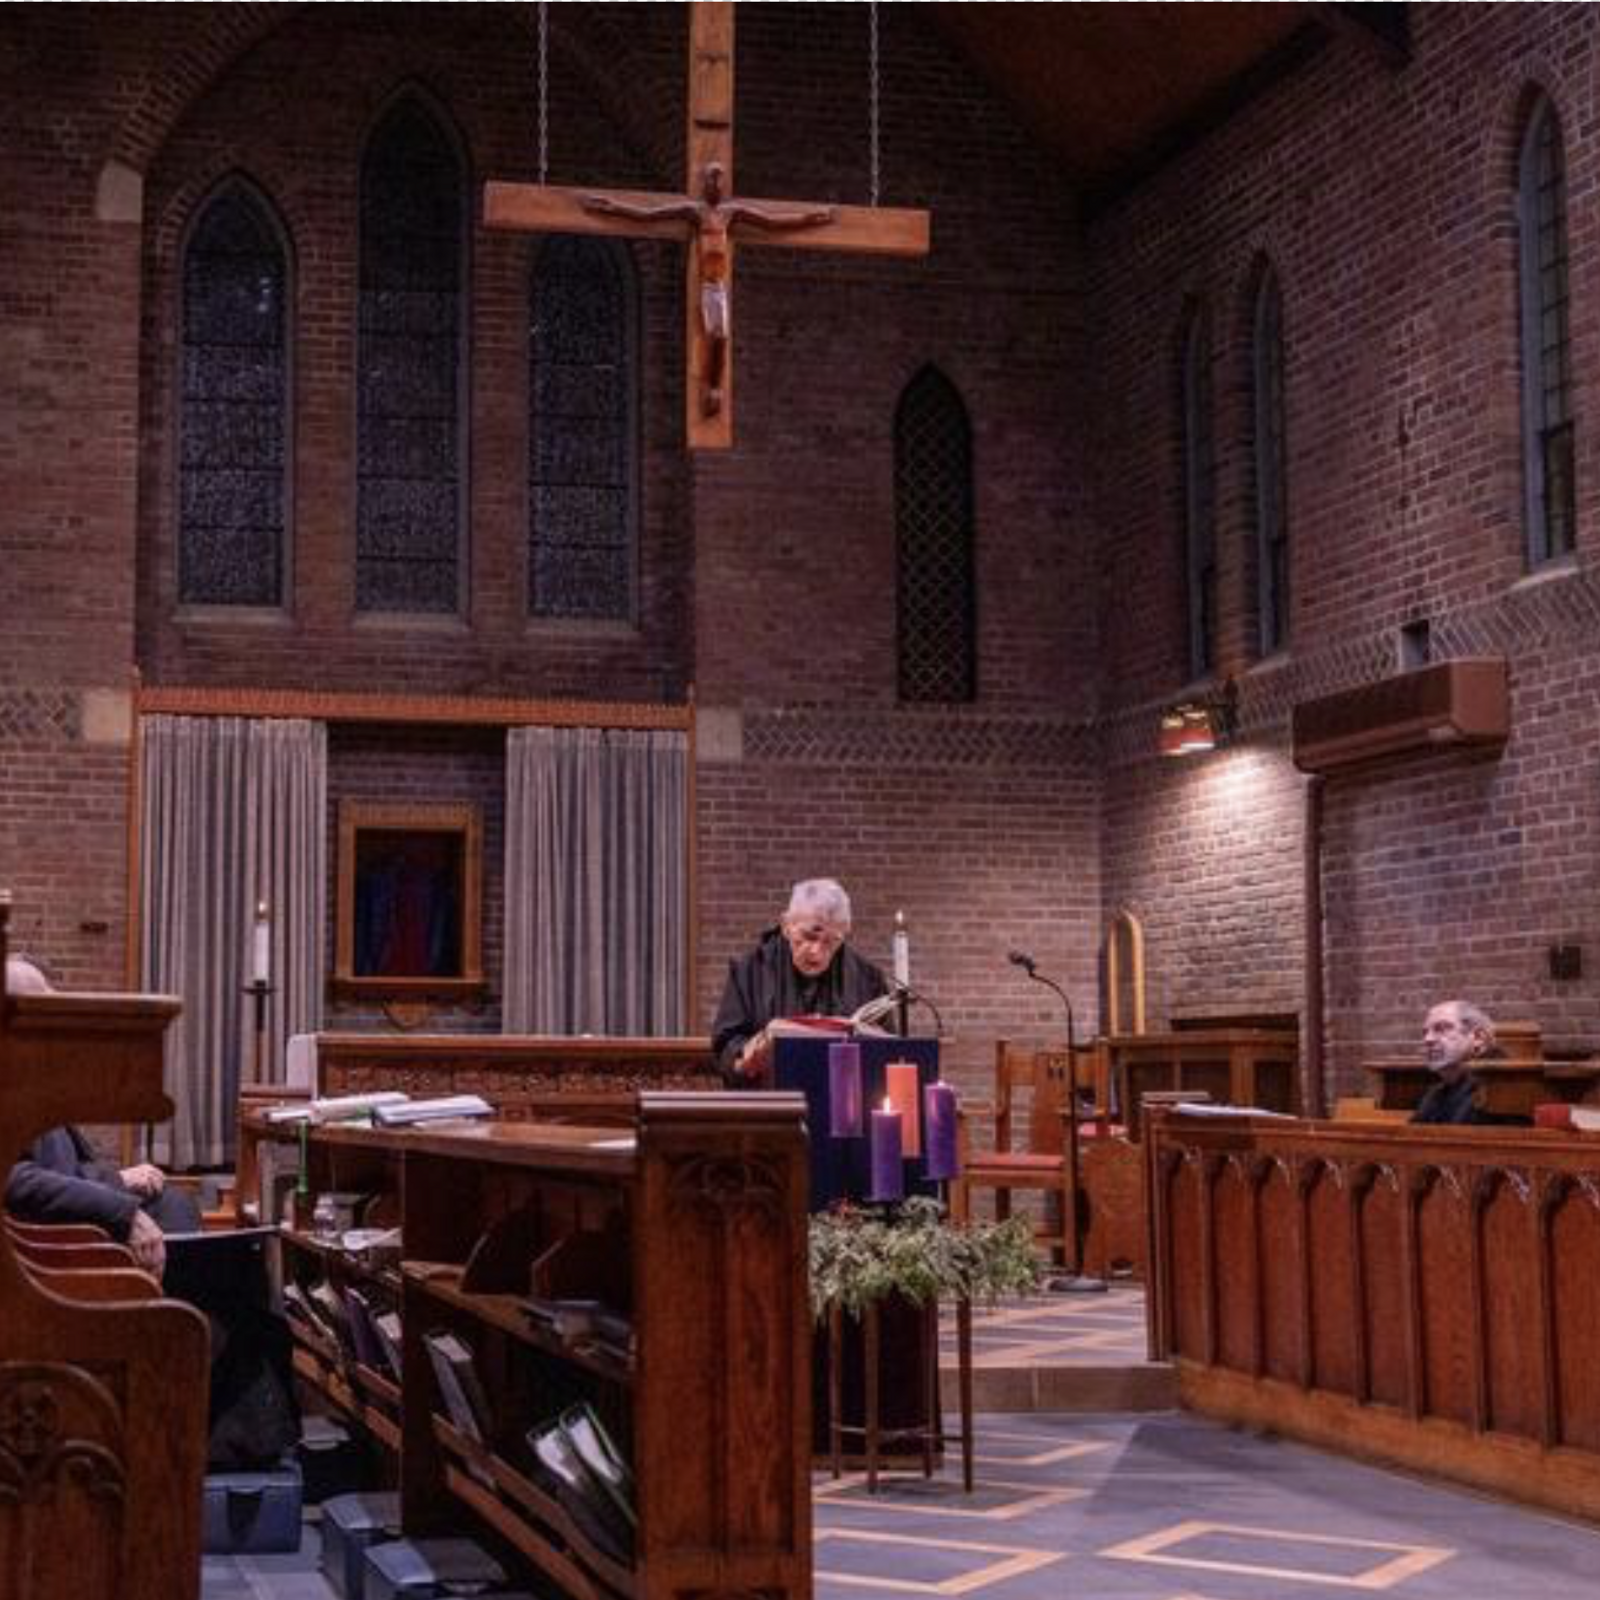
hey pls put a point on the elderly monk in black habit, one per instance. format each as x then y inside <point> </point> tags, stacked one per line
<point>802,967</point>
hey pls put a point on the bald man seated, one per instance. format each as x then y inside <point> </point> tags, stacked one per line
<point>61,1177</point>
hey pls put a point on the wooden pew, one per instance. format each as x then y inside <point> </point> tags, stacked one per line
<point>102,1383</point>
<point>526,1077</point>
<point>1428,1297</point>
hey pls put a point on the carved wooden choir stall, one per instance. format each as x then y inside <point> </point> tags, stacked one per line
<point>653,1276</point>
<point>1424,1296</point>
<point>102,1382</point>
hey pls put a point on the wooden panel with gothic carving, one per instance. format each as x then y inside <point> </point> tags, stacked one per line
<point>1425,1296</point>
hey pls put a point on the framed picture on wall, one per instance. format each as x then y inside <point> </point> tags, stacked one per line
<point>408,922</point>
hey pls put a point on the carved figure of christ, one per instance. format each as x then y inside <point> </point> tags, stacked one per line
<point>712,217</point>
<point>709,219</point>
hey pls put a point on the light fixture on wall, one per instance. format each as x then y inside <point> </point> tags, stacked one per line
<point>1192,727</point>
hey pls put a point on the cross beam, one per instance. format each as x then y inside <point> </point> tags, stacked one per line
<point>709,217</point>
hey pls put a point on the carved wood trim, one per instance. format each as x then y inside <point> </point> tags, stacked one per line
<point>1411,1196</point>
<point>1211,1166</point>
<point>1544,1246</point>
<point>1302,1257</point>
<point>1359,1187</point>
<point>724,1185</point>
<point>460,710</point>
<point>38,1453</point>
<point>1478,1191</point>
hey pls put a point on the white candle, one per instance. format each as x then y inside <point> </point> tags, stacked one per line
<point>902,950</point>
<point>261,947</point>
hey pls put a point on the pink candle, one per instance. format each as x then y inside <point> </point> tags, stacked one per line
<point>844,1090</point>
<point>939,1104</point>
<point>888,1173</point>
<point>902,1089</point>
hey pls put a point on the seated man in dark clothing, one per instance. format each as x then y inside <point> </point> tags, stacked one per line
<point>802,967</point>
<point>61,1177</point>
<point>1455,1035</point>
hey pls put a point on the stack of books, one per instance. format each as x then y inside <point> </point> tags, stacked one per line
<point>336,1108</point>
<point>590,1478</point>
<point>404,1113</point>
<point>584,1324</point>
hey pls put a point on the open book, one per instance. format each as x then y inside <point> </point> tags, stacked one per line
<point>864,1019</point>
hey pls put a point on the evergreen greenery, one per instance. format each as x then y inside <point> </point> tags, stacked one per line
<point>859,1255</point>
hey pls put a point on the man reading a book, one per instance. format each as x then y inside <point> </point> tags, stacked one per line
<point>802,967</point>
<point>62,1178</point>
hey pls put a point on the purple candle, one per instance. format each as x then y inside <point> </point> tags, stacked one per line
<point>844,1090</point>
<point>888,1175</point>
<point>939,1131</point>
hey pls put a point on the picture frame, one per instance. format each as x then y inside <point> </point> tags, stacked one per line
<point>408,912</point>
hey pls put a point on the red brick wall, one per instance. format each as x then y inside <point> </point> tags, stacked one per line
<point>1382,197</point>
<point>1385,201</point>
<point>766,574</point>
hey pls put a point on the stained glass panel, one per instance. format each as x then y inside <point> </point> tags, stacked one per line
<point>409,449</point>
<point>233,406</point>
<point>933,536</point>
<point>581,467</point>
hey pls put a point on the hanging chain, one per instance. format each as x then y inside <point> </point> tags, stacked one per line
<point>544,92</point>
<point>873,97</point>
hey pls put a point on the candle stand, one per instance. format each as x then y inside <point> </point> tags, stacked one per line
<point>929,1435</point>
<point>259,989</point>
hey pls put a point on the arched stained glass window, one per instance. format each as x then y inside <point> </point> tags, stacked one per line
<point>1271,488</point>
<point>410,483</point>
<point>233,408</point>
<point>1547,437</point>
<point>1199,499</point>
<point>933,503</point>
<point>582,383</point>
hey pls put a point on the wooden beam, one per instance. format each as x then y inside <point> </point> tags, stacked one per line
<point>459,710</point>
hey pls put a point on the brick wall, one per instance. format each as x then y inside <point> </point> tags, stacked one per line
<point>1385,201</point>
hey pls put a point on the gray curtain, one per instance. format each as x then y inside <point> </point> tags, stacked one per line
<point>233,812</point>
<point>596,889</point>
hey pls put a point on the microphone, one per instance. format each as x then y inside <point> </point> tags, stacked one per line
<point>1075,1281</point>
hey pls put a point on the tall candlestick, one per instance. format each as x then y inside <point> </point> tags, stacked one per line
<point>844,1090</point>
<point>939,1103</point>
<point>888,1171</point>
<point>261,947</point>
<point>902,950</point>
<point>901,1087</point>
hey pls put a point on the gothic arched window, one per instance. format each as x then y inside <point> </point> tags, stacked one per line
<point>1547,442</point>
<point>933,513</point>
<point>1271,487</point>
<point>410,438</point>
<point>582,459</point>
<point>233,405</point>
<point>1199,499</point>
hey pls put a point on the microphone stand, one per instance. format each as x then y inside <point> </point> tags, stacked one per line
<point>1075,1280</point>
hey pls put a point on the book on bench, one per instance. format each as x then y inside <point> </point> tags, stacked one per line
<point>406,1113</point>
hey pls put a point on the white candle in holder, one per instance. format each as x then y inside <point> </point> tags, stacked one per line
<point>261,947</point>
<point>902,950</point>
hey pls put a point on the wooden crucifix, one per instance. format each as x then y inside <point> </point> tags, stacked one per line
<point>709,218</point>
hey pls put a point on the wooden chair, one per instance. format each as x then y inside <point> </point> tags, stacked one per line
<point>1030,1089</point>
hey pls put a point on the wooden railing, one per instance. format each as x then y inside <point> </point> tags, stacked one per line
<point>1423,1296</point>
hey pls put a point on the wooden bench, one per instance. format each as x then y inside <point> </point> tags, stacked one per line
<point>103,1384</point>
